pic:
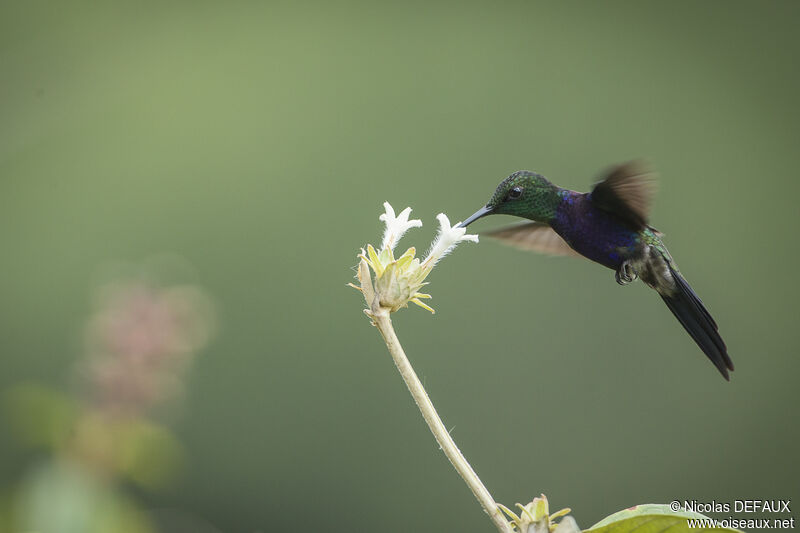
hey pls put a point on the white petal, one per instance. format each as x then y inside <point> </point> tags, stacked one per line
<point>389,214</point>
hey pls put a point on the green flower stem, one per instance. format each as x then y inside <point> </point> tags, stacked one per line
<point>380,316</point>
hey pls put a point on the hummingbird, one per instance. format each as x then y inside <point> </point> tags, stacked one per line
<point>608,225</point>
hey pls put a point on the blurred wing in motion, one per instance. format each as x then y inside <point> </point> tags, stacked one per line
<point>535,237</point>
<point>627,191</point>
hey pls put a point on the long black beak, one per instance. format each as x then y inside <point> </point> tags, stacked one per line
<point>480,213</point>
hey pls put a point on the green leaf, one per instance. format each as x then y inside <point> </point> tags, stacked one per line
<point>653,518</point>
<point>147,453</point>
<point>40,416</point>
<point>58,496</point>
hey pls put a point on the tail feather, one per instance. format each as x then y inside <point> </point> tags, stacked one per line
<point>695,318</point>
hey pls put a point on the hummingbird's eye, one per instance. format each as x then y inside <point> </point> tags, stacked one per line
<point>515,193</point>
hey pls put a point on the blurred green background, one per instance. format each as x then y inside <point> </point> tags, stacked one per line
<point>258,141</point>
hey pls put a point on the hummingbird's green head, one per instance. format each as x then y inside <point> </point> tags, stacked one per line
<point>523,194</point>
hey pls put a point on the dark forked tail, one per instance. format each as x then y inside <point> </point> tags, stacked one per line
<point>689,310</point>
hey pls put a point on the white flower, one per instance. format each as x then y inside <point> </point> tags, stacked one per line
<point>447,239</point>
<point>397,281</point>
<point>396,226</point>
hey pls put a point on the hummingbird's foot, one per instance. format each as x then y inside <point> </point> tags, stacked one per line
<point>626,273</point>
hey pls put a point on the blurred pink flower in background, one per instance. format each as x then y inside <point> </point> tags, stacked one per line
<point>141,339</point>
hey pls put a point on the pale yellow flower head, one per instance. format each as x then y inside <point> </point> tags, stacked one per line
<point>398,281</point>
<point>536,518</point>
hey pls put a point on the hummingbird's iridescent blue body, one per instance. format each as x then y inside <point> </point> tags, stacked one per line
<point>592,232</point>
<point>609,226</point>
